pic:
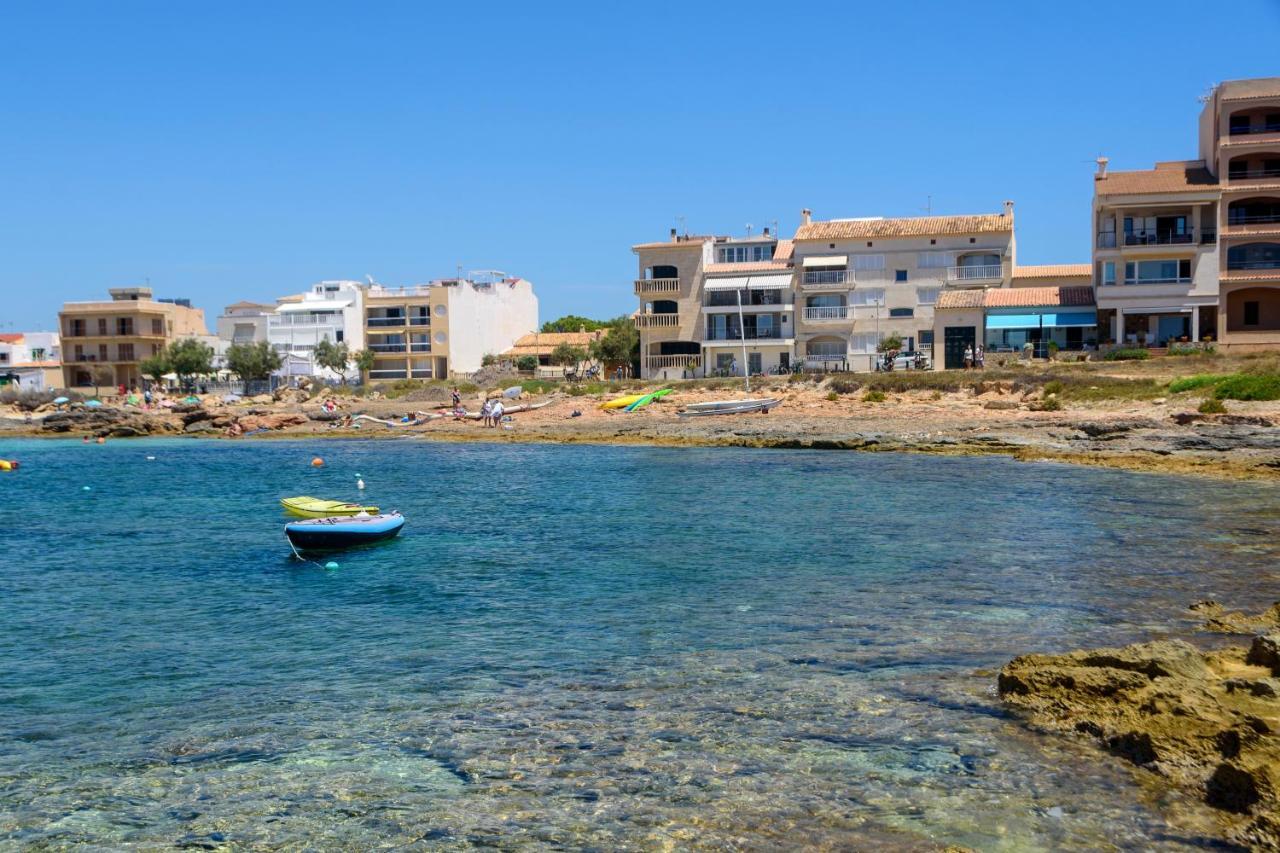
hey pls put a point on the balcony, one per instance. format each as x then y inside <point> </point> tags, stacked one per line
<point>656,321</point>
<point>420,321</point>
<point>826,276</point>
<point>385,348</point>
<point>1179,279</point>
<point>1251,266</point>
<point>650,286</point>
<point>284,321</point>
<point>388,374</point>
<point>661,361</point>
<point>385,322</point>
<point>1252,130</point>
<point>1158,238</point>
<point>420,347</point>
<point>772,334</point>
<point>1106,239</point>
<point>828,313</point>
<point>990,272</point>
<point>1260,174</point>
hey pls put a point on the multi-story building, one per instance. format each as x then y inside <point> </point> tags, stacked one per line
<point>244,322</point>
<point>1190,250</point>
<point>31,360</point>
<point>330,311</point>
<point>104,342</point>
<point>446,327</point>
<point>860,281</point>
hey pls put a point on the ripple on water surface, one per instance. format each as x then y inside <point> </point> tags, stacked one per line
<point>583,645</point>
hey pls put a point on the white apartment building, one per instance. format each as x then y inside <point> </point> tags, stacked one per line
<point>244,322</point>
<point>31,360</point>
<point>330,310</point>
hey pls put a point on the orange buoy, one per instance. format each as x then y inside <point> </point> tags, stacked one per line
<point>317,462</point>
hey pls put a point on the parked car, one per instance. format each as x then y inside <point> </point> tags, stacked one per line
<point>911,360</point>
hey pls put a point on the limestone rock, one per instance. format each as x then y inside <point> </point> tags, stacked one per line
<point>1265,651</point>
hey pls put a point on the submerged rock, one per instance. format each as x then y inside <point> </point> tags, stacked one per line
<point>1205,721</point>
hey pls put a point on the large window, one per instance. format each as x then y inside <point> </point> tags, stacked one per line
<point>1163,271</point>
<point>1108,272</point>
<point>868,262</point>
<point>743,254</point>
<point>1254,256</point>
<point>864,342</point>
<point>867,296</point>
<point>827,349</point>
<point>927,295</point>
<point>935,260</point>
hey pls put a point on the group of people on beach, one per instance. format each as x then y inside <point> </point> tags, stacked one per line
<point>974,357</point>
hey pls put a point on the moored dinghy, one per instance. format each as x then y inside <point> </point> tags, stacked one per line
<point>728,407</point>
<point>320,534</point>
<point>309,507</point>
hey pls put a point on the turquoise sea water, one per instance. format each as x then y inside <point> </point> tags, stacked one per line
<point>582,646</point>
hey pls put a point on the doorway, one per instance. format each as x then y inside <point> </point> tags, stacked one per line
<point>955,340</point>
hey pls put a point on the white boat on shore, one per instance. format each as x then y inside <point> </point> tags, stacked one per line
<point>728,407</point>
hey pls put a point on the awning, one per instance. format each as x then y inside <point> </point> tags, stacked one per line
<point>1047,320</point>
<point>776,281</point>
<point>827,261</point>
<point>738,282</point>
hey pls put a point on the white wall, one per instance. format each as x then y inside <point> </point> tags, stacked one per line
<point>487,319</point>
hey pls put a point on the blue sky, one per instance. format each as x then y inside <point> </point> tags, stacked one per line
<point>244,150</point>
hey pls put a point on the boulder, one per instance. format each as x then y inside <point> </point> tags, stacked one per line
<point>1265,651</point>
<point>1000,405</point>
<point>199,426</point>
<point>273,421</point>
<point>82,420</point>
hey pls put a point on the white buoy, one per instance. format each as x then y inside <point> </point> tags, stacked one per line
<point>359,484</point>
<point>151,459</point>
<point>331,565</point>
<point>86,488</point>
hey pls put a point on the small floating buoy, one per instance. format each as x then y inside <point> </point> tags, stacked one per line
<point>359,484</point>
<point>84,488</point>
<point>331,565</point>
<point>151,459</point>
<point>317,462</point>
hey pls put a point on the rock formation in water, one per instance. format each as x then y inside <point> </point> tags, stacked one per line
<point>1209,722</point>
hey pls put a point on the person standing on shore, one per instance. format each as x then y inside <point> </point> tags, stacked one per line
<point>486,410</point>
<point>496,412</point>
<point>968,357</point>
<point>457,399</point>
<point>980,357</point>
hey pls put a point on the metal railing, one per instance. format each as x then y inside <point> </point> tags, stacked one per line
<point>1252,219</point>
<point>388,374</point>
<point>748,334</point>
<point>1235,266</point>
<point>1158,238</point>
<point>826,276</point>
<point>419,321</point>
<point>750,299</point>
<point>420,347</point>
<point>388,348</point>
<point>826,356</point>
<point>671,360</point>
<point>828,312</point>
<point>384,322</point>
<point>657,285</point>
<point>1251,174</point>
<point>1106,239</point>
<point>1163,280</point>
<point>1208,236</point>
<point>656,321</point>
<point>284,320</point>
<point>975,273</point>
<point>1252,129</point>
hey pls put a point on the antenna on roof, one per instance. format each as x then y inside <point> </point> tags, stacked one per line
<point>748,229</point>
<point>683,229</point>
<point>928,206</point>
<point>775,228</point>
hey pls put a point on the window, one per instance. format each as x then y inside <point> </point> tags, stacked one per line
<point>762,253</point>
<point>827,349</point>
<point>1239,124</point>
<point>157,325</point>
<point>102,352</point>
<point>868,262</point>
<point>926,337</point>
<point>1109,272</point>
<point>934,260</point>
<point>1157,272</point>
<point>899,275</point>
<point>1251,313</point>
<point>867,296</point>
<point>125,352</point>
<point>102,326</point>
<point>124,325</point>
<point>902,312</point>
<point>337,336</point>
<point>927,295</point>
<point>77,329</point>
<point>864,342</point>
<point>755,363</point>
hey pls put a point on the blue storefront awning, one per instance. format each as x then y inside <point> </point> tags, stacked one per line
<point>1046,320</point>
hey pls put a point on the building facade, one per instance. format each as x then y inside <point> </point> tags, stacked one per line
<point>31,360</point>
<point>244,322</point>
<point>104,342</point>
<point>329,311</point>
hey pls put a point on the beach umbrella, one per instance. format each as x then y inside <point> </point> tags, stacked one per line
<point>61,401</point>
<point>512,392</point>
<point>93,404</point>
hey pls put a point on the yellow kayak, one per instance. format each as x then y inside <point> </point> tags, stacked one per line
<point>622,402</point>
<point>320,508</point>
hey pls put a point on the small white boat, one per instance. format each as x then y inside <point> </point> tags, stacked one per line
<point>728,407</point>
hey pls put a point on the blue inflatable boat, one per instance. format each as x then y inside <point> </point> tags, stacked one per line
<point>323,534</point>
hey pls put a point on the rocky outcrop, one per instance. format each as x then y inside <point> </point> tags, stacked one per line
<point>248,423</point>
<point>1205,721</point>
<point>1235,622</point>
<point>104,421</point>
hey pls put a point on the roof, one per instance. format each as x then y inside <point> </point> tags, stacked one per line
<point>247,304</point>
<point>1178,176</point>
<point>1249,275</point>
<point>543,343</point>
<point>748,266</point>
<point>784,251</point>
<point>683,242</point>
<point>915,226</point>
<point>1054,271</point>
<point>11,338</point>
<point>1017,297</point>
<point>1260,87</point>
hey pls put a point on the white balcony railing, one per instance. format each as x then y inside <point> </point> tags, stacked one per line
<point>660,361</point>
<point>976,273</point>
<point>656,321</point>
<point>826,276</point>
<point>284,321</point>
<point>828,312</point>
<point>657,285</point>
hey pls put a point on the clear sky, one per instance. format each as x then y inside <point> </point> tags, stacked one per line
<point>231,151</point>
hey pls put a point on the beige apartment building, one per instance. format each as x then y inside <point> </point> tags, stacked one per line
<point>1190,250</point>
<point>104,342</point>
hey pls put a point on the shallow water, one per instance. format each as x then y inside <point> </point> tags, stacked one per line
<point>575,646</point>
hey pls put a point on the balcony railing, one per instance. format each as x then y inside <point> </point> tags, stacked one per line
<point>975,273</point>
<point>419,321</point>
<point>1208,236</point>
<point>1254,129</point>
<point>826,276</point>
<point>420,347</point>
<point>1158,238</point>
<point>826,356</point>
<point>660,361</point>
<point>656,321</point>
<point>657,285</point>
<point>384,322</point>
<point>1106,239</point>
<point>1240,266</point>
<point>301,320</point>
<point>1255,219</point>
<point>828,312</point>
<point>388,374</point>
<point>1165,280</point>
<point>1252,174</point>
<point>388,347</point>
<point>749,335</point>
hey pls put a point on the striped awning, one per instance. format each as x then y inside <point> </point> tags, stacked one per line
<point>775,281</point>
<point>737,282</point>
<point>826,261</point>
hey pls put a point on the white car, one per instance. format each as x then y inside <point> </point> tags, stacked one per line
<point>911,360</point>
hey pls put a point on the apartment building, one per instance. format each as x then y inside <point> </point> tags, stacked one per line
<point>244,322</point>
<point>1190,250</point>
<point>446,327</point>
<point>328,311</point>
<point>31,360</point>
<point>104,342</point>
<point>860,281</point>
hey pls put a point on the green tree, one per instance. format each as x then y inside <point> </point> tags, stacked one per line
<point>573,323</point>
<point>190,358</point>
<point>252,361</point>
<point>893,343</point>
<point>102,375</point>
<point>568,354</point>
<point>155,366</point>
<point>527,362</point>
<point>619,345</point>
<point>364,360</point>
<point>333,356</point>
<point>488,360</point>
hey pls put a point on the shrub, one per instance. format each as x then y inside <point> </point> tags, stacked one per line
<point>28,399</point>
<point>844,386</point>
<point>832,396</point>
<point>1053,387</point>
<point>1249,386</point>
<point>873,396</point>
<point>893,343</point>
<point>1212,406</point>
<point>1048,404</point>
<point>538,386</point>
<point>1127,355</point>
<point>1187,350</point>
<point>1053,348</point>
<point>1191,383</point>
<point>527,362</point>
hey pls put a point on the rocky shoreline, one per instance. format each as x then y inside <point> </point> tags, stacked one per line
<point>1205,721</point>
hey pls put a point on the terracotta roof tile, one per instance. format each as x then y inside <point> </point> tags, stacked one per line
<point>1250,275</point>
<point>1174,177</point>
<point>11,338</point>
<point>1017,297</point>
<point>784,251</point>
<point>1054,271</point>
<point>916,226</point>
<point>542,343</point>
<point>749,266</point>
<point>1261,87</point>
<point>959,299</point>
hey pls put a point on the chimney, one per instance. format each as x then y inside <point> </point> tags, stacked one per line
<point>1008,208</point>
<point>766,231</point>
<point>673,236</point>
<point>1102,168</point>
<point>806,216</point>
